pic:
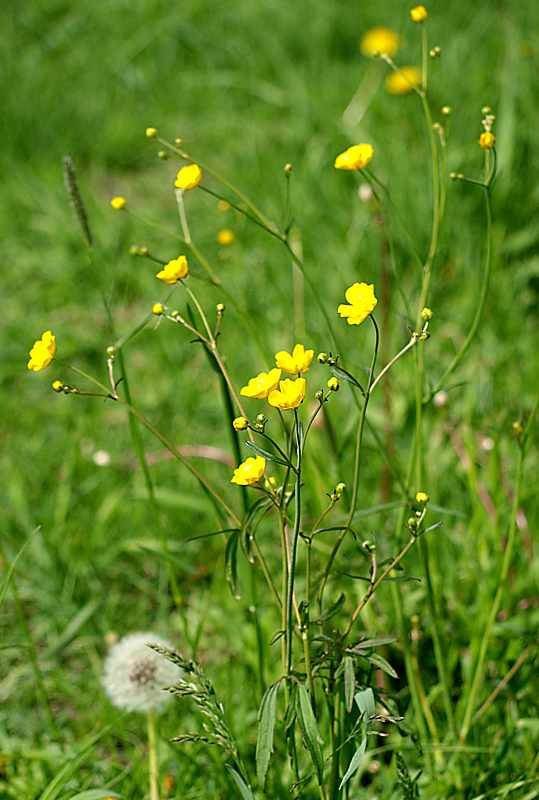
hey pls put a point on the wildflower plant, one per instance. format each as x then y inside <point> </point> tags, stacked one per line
<point>324,686</point>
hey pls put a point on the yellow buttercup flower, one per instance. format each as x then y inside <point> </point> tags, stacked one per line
<point>42,352</point>
<point>422,498</point>
<point>57,385</point>
<point>240,423</point>
<point>158,309</point>
<point>487,140</point>
<point>249,472</point>
<point>362,303</point>
<point>379,41</point>
<point>188,177</point>
<point>403,80</point>
<point>356,157</point>
<point>118,203</point>
<point>225,237</point>
<point>174,271</point>
<point>418,14</point>
<point>151,133</point>
<point>261,385</point>
<point>297,362</point>
<point>290,394</point>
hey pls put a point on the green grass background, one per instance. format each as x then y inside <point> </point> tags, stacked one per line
<point>248,86</point>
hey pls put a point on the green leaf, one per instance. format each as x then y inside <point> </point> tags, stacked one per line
<point>245,790</point>
<point>366,643</point>
<point>266,729</point>
<point>5,584</point>
<point>71,766</point>
<point>94,794</point>
<point>379,661</point>
<point>231,562</point>
<point>310,733</point>
<point>353,766</point>
<point>365,702</point>
<point>347,377</point>
<point>349,682</point>
<point>266,454</point>
<point>334,609</point>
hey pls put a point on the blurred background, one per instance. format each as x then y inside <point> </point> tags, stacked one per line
<point>248,86</point>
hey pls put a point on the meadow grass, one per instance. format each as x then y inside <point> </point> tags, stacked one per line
<point>249,87</point>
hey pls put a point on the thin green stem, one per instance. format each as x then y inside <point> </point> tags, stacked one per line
<point>357,464</point>
<point>480,304</point>
<point>502,581</point>
<point>152,757</point>
<point>294,548</point>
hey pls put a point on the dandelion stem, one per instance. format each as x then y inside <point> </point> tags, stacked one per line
<point>152,757</point>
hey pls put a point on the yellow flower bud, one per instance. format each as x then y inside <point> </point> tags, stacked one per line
<point>151,133</point>
<point>249,472</point>
<point>379,41</point>
<point>225,237</point>
<point>240,423</point>
<point>422,498</point>
<point>446,110</point>
<point>403,80</point>
<point>118,203</point>
<point>174,271</point>
<point>158,309</point>
<point>418,14</point>
<point>487,140</point>
<point>356,157</point>
<point>322,358</point>
<point>333,385</point>
<point>426,314</point>
<point>42,352</point>
<point>188,177</point>
<point>57,386</point>
<point>220,308</point>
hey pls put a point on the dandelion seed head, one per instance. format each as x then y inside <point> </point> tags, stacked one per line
<point>135,675</point>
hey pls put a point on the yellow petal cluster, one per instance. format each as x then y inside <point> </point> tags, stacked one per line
<point>188,177</point>
<point>260,386</point>
<point>296,362</point>
<point>240,423</point>
<point>487,140</point>
<point>42,352</point>
<point>379,41</point>
<point>356,157</point>
<point>118,203</point>
<point>403,80</point>
<point>249,472</point>
<point>174,271</point>
<point>225,237</point>
<point>290,394</point>
<point>422,498</point>
<point>362,302</point>
<point>418,14</point>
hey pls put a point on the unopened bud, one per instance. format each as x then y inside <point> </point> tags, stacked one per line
<point>220,308</point>
<point>333,385</point>
<point>158,309</point>
<point>288,169</point>
<point>426,314</point>
<point>111,351</point>
<point>57,385</point>
<point>322,358</point>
